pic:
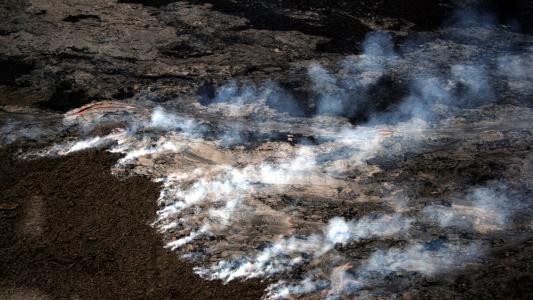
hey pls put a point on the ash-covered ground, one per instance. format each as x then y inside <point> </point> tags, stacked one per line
<point>315,150</point>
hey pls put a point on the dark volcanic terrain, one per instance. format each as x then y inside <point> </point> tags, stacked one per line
<point>62,54</point>
<point>72,230</point>
<point>233,149</point>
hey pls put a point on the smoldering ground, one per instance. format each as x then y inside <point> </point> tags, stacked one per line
<point>300,205</point>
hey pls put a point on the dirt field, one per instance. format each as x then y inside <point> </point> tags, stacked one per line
<point>70,230</point>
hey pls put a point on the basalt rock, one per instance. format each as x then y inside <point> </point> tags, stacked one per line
<point>61,55</point>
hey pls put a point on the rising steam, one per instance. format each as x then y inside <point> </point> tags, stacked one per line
<point>242,198</point>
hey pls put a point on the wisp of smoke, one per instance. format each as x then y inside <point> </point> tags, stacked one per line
<point>484,209</point>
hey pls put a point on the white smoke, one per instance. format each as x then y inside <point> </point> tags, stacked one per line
<point>167,121</point>
<point>484,209</point>
<point>417,258</point>
<point>287,253</point>
<point>285,290</point>
<point>345,92</point>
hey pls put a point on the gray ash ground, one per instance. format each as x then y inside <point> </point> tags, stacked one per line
<point>307,150</point>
